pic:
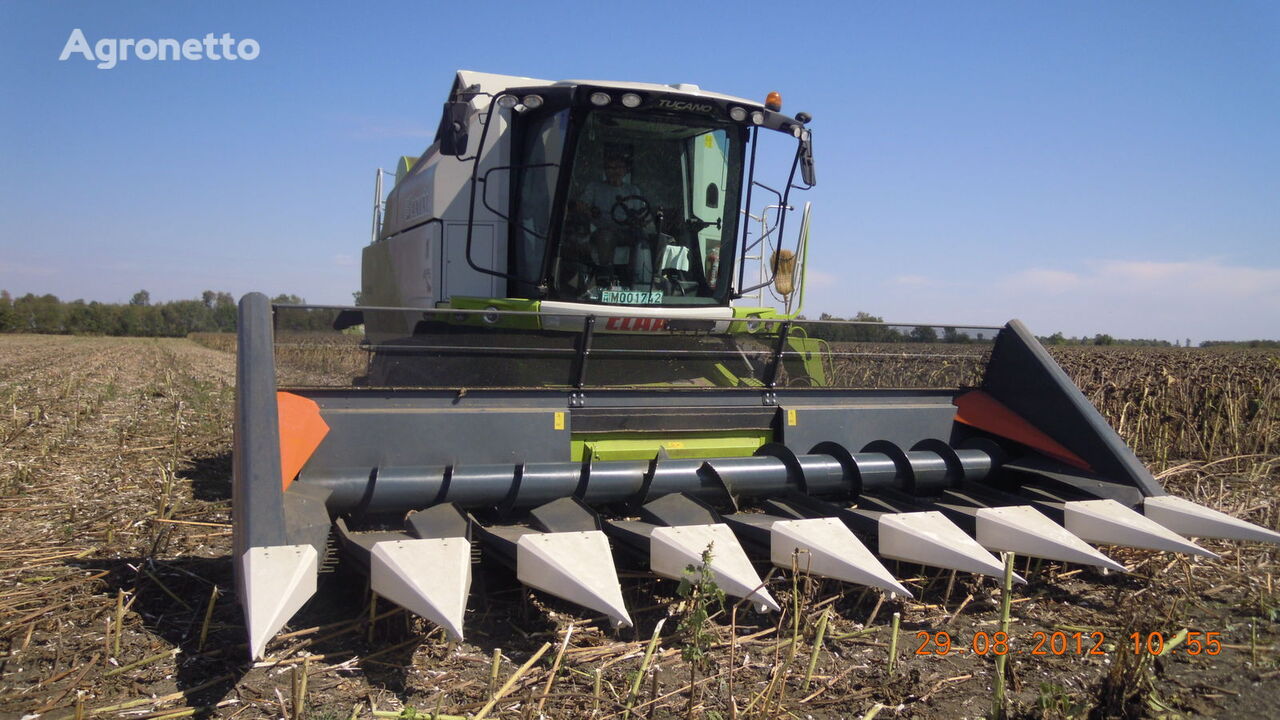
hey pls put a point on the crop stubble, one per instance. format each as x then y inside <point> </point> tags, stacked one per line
<point>114,484</point>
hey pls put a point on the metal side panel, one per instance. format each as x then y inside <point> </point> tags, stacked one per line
<point>1056,477</point>
<point>632,537</point>
<point>1022,375</point>
<point>276,552</point>
<point>856,423</point>
<point>707,418</point>
<point>439,521</point>
<point>379,430</point>
<point>678,509</point>
<point>257,490</point>
<point>487,250</point>
<point>306,516</point>
<point>568,514</point>
<point>358,545</point>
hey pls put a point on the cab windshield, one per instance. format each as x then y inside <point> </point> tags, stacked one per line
<point>651,209</point>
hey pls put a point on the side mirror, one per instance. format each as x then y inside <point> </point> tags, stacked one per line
<point>713,196</point>
<point>806,161</point>
<point>452,133</point>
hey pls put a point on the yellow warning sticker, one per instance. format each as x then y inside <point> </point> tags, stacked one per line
<point>791,418</point>
<point>559,421</point>
<point>706,140</point>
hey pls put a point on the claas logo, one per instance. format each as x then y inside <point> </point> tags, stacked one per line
<point>636,324</point>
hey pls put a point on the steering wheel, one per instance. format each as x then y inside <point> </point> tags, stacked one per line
<point>631,211</point>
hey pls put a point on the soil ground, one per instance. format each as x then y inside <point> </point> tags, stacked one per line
<point>115,539</point>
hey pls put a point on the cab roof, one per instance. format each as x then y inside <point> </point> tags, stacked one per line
<point>494,83</point>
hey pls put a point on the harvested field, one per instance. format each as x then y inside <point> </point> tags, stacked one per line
<point>115,543</point>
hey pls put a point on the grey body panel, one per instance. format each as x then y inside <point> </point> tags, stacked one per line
<point>306,516</point>
<point>440,521</point>
<point>376,430</point>
<point>1056,476</point>
<point>256,498</point>
<point>567,514</point>
<point>858,422</point>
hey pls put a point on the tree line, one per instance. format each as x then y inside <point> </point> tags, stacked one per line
<point>1105,339</point>
<point>889,333</point>
<point>1266,344</point>
<point>212,312</point>
<point>924,333</point>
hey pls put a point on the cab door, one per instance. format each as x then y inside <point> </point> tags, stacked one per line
<point>709,176</point>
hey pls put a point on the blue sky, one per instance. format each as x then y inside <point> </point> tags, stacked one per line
<point>1085,166</point>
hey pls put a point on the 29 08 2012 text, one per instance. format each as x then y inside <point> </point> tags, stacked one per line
<point>1058,642</point>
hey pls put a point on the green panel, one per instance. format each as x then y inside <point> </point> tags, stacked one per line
<point>761,312</point>
<point>527,322</point>
<point>403,166</point>
<point>645,446</point>
<point>741,314</point>
<point>725,378</point>
<point>811,350</point>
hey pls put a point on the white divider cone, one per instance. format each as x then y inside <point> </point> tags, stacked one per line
<point>830,549</point>
<point>1187,518</point>
<point>430,577</point>
<point>1107,522</point>
<point>672,549</point>
<point>930,538</point>
<point>277,581</point>
<point>576,566</point>
<point>1024,530</point>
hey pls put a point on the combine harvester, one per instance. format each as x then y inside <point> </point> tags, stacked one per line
<point>579,337</point>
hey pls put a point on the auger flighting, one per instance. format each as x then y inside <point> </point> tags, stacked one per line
<point>564,360</point>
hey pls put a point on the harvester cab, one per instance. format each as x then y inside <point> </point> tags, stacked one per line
<point>584,197</point>
<point>565,349</point>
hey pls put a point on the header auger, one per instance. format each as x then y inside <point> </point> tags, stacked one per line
<point>558,384</point>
